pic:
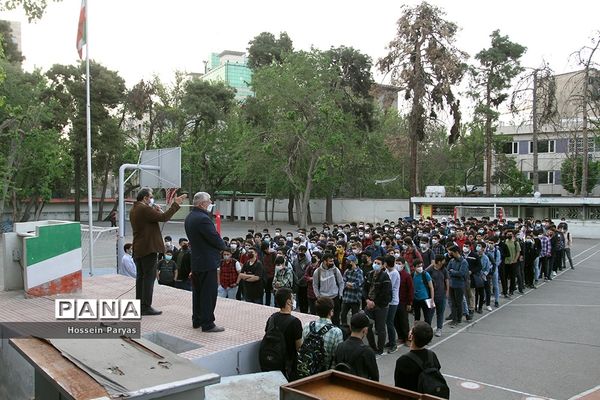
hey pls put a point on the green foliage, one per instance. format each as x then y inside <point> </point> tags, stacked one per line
<point>9,48</point>
<point>67,89</point>
<point>33,161</point>
<point>34,9</point>
<point>307,128</point>
<point>498,65</point>
<point>424,61</point>
<point>510,180</point>
<point>571,174</point>
<point>265,49</point>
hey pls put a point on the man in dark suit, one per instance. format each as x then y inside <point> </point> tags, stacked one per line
<point>206,246</point>
<point>147,243</point>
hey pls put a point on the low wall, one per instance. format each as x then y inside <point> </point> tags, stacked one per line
<point>344,210</point>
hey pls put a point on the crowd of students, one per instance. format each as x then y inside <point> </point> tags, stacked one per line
<point>379,273</point>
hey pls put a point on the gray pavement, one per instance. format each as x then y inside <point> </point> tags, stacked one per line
<point>543,344</point>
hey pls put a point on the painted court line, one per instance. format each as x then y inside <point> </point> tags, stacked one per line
<point>554,305</point>
<point>585,251</point>
<point>506,304</point>
<point>568,280</point>
<point>583,394</point>
<point>497,387</point>
<point>492,312</point>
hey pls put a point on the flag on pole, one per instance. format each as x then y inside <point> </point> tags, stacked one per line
<point>81,39</point>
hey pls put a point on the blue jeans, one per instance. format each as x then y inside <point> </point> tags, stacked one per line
<point>391,330</point>
<point>536,269</point>
<point>440,309</point>
<point>228,293</point>
<point>496,286</point>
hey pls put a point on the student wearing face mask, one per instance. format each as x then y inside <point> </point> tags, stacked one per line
<point>424,293</point>
<point>283,277</point>
<point>426,253</point>
<point>353,356</point>
<point>353,283</point>
<point>437,247</point>
<point>375,248</point>
<point>299,266</point>
<point>328,282</point>
<point>378,289</point>
<point>511,258</point>
<point>479,280</point>
<point>405,298</point>
<point>228,275</point>
<point>127,264</point>
<point>166,270</point>
<point>253,276</point>
<point>458,269</point>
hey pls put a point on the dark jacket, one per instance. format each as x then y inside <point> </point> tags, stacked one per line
<point>205,240</point>
<point>359,357</point>
<point>381,285</point>
<point>146,231</point>
<point>407,289</point>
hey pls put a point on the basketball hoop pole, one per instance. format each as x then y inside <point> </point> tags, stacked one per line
<point>121,237</point>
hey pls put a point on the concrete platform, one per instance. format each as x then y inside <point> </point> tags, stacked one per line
<point>244,322</point>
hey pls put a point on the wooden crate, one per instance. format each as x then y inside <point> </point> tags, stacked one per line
<point>335,385</point>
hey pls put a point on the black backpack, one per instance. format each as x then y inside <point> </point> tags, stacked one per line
<point>311,356</point>
<point>431,380</point>
<point>273,350</point>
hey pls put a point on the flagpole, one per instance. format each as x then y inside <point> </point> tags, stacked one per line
<point>89,144</point>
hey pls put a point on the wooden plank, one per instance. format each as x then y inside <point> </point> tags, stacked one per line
<point>62,373</point>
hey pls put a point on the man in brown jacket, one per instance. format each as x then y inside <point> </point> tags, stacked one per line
<point>147,243</point>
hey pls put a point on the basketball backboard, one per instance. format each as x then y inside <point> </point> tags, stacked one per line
<point>169,162</point>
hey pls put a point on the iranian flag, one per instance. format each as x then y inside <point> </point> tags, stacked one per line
<point>81,30</point>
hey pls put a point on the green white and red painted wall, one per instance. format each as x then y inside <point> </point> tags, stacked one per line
<point>51,258</point>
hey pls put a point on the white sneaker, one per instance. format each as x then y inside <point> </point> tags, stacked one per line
<point>553,274</point>
<point>489,308</point>
<point>438,332</point>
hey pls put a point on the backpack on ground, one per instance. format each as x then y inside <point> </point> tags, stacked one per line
<point>311,356</point>
<point>431,380</point>
<point>273,350</point>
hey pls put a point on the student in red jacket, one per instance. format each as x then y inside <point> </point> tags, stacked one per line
<point>407,292</point>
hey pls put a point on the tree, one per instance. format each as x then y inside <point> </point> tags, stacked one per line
<point>498,65</point>
<point>33,162</point>
<point>588,102</point>
<point>305,123</point>
<point>34,9</point>
<point>265,49</point>
<point>571,173</point>
<point>9,47</point>
<point>510,180</point>
<point>424,61</point>
<point>67,88</point>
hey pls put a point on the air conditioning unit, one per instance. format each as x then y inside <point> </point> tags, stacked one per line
<point>435,191</point>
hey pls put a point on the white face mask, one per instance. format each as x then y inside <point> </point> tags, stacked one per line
<point>419,270</point>
<point>152,201</point>
<point>233,247</point>
<point>466,249</point>
<point>210,207</point>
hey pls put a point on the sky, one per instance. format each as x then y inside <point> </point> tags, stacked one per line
<point>140,38</point>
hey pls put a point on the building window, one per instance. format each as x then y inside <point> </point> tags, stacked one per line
<point>544,177</point>
<point>593,145</point>
<point>510,148</point>
<point>544,146</point>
